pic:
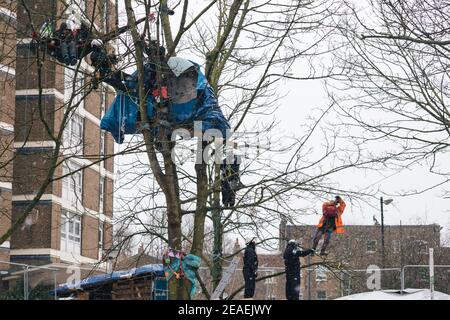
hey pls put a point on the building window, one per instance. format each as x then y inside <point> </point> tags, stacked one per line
<point>100,240</point>
<point>321,274</point>
<point>70,232</point>
<point>73,133</point>
<point>371,246</point>
<point>271,280</point>
<point>73,87</point>
<point>422,246</point>
<point>396,246</point>
<point>72,183</point>
<point>321,295</point>
<point>101,205</point>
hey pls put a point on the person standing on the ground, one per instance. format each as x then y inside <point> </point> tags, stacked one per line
<point>291,256</point>
<point>250,269</point>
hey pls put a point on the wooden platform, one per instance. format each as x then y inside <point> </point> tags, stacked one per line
<point>133,289</point>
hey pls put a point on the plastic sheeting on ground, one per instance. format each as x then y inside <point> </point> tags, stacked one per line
<point>190,102</point>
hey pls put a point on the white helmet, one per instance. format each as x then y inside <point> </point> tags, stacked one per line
<point>292,241</point>
<point>96,43</point>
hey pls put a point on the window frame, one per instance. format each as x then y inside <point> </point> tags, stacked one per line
<point>101,236</point>
<point>375,242</point>
<point>70,232</point>
<point>321,274</point>
<point>72,184</point>
<point>101,194</point>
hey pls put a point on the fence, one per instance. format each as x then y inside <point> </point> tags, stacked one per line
<point>26,282</point>
<point>32,282</point>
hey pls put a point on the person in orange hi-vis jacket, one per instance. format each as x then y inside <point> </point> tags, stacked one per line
<point>330,222</point>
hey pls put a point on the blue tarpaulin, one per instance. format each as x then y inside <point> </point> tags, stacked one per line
<point>120,119</point>
<point>155,270</point>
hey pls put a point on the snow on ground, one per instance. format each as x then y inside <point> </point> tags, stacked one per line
<point>408,294</point>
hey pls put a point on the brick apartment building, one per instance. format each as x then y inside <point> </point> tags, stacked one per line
<point>351,254</point>
<point>7,103</point>
<point>72,222</point>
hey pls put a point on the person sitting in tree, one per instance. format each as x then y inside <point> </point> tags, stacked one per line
<point>330,222</point>
<point>104,64</point>
<point>231,182</point>
<point>67,45</point>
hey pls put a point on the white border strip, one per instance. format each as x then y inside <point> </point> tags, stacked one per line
<point>7,69</point>
<point>35,144</point>
<point>24,41</point>
<point>86,114</point>
<point>8,13</point>
<point>6,185</point>
<point>5,245</point>
<point>65,204</point>
<point>6,127</point>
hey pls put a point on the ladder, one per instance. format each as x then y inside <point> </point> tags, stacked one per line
<point>226,279</point>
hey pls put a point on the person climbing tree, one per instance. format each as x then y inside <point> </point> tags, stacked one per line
<point>250,269</point>
<point>330,222</point>
<point>291,256</point>
<point>104,64</point>
<point>230,181</point>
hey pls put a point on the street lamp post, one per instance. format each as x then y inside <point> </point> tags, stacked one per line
<point>383,202</point>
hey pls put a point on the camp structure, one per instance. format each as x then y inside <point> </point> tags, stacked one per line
<point>143,283</point>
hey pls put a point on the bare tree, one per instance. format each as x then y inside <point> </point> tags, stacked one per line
<point>395,85</point>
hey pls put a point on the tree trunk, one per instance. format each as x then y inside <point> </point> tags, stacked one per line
<point>202,197</point>
<point>216,270</point>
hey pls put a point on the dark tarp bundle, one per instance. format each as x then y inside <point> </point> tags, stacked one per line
<point>191,101</point>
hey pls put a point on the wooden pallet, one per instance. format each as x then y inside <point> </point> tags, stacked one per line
<point>133,289</point>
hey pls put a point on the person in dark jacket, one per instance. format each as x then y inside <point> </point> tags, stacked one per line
<point>231,181</point>
<point>67,44</point>
<point>104,64</point>
<point>250,269</point>
<point>292,267</point>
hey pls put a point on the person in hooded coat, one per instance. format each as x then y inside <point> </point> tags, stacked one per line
<point>291,256</point>
<point>250,269</point>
